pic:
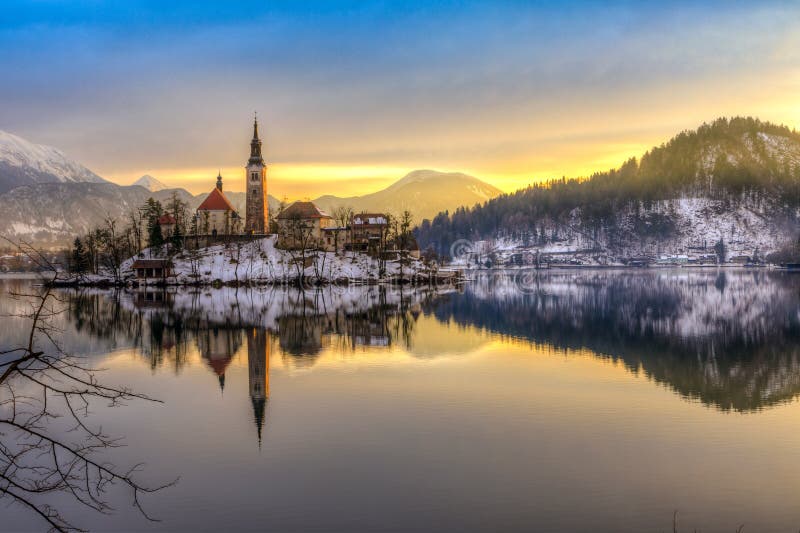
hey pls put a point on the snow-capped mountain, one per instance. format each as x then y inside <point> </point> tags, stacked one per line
<point>150,183</point>
<point>25,163</point>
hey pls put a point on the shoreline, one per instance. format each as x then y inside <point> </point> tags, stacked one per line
<point>453,277</point>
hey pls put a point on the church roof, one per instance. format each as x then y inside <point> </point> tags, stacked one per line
<point>303,210</point>
<point>166,219</point>
<point>216,201</point>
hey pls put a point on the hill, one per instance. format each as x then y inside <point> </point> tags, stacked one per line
<point>423,192</point>
<point>150,183</point>
<point>735,181</point>
<point>25,163</point>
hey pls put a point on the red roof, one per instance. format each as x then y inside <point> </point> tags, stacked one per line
<point>166,219</point>
<point>218,364</point>
<point>216,201</point>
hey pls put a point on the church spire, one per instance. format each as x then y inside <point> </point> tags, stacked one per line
<point>255,144</point>
<point>219,181</point>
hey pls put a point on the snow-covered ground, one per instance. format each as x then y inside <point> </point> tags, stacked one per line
<point>749,227</point>
<point>260,261</point>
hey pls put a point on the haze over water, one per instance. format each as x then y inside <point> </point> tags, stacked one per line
<point>547,401</point>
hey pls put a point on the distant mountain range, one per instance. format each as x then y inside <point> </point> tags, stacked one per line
<point>48,199</point>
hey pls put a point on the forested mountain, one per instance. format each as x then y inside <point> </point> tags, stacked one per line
<point>735,180</point>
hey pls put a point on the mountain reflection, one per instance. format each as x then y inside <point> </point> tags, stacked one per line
<point>728,339</point>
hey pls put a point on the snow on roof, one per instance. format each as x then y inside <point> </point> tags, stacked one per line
<point>303,210</point>
<point>369,219</point>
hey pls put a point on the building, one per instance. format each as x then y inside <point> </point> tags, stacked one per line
<point>152,269</point>
<point>334,238</point>
<point>367,229</point>
<point>302,225</point>
<point>167,223</point>
<point>216,215</point>
<point>256,211</point>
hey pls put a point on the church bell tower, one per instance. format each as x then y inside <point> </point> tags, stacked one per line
<point>256,187</point>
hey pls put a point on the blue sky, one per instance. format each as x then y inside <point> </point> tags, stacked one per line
<point>353,94</point>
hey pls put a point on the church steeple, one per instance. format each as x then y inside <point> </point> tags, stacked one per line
<point>219,181</point>
<point>256,187</point>
<point>255,144</point>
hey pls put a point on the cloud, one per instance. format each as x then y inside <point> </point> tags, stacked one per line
<point>516,91</point>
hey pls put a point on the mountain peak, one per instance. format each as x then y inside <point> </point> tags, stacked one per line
<point>423,192</point>
<point>429,175</point>
<point>150,183</point>
<point>25,163</point>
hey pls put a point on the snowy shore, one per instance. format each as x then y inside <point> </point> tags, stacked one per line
<point>259,262</point>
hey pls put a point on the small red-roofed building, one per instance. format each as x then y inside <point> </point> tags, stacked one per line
<point>216,215</point>
<point>167,223</point>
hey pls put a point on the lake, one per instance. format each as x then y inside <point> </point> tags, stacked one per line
<point>534,400</point>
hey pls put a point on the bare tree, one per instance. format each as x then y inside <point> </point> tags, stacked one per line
<point>299,239</point>
<point>42,389</point>
<point>114,252</point>
<point>403,238</point>
<point>383,243</point>
<point>136,222</point>
<point>342,215</point>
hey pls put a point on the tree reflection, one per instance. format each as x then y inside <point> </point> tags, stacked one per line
<point>728,339</point>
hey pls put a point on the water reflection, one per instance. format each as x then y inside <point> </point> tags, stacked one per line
<point>728,339</point>
<point>563,399</point>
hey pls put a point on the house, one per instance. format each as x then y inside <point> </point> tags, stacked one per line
<point>334,238</point>
<point>167,223</point>
<point>302,225</point>
<point>367,229</point>
<point>152,269</point>
<point>216,215</point>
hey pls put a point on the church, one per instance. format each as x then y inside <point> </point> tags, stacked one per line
<point>216,215</point>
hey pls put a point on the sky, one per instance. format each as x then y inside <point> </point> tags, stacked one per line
<point>353,95</point>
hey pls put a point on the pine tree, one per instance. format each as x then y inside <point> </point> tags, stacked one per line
<point>720,250</point>
<point>155,238</point>
<point>79,261</point>
<point>177,238</point>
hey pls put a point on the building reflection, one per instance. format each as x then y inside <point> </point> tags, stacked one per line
<point>217,346</point>
<point>258,354</point>
<point>728,339</point>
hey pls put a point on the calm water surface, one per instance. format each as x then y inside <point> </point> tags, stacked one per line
<point>558,401</point>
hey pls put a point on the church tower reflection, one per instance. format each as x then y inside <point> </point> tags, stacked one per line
<point>258,351</point>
